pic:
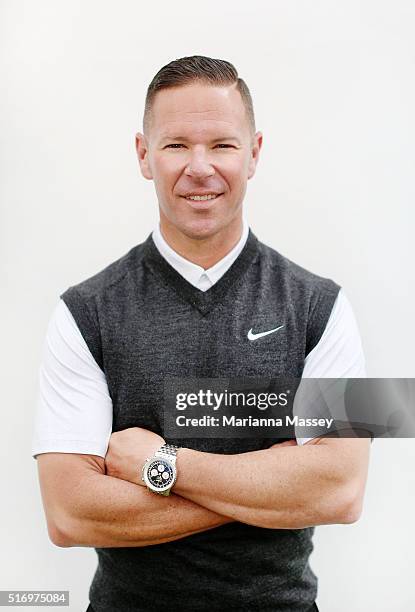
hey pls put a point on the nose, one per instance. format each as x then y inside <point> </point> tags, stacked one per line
<point>199,166</point>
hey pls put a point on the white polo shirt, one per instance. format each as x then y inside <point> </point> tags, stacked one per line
<point>74,407</point>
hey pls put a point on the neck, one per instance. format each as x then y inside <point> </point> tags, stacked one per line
<point>204,252</point>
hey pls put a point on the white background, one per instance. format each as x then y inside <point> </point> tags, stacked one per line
<point>334,95</point>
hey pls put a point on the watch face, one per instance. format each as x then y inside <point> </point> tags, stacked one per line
<point>160,474</point>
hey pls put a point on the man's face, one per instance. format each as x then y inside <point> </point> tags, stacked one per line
<point>199,143</point>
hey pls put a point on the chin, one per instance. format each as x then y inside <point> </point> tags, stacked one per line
<point>200,228</point>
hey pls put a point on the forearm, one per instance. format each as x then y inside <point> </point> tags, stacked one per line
<point>286,488</point>
<point>101,511</point>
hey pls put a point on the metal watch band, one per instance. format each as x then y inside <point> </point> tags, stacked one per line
<point>168,450</point>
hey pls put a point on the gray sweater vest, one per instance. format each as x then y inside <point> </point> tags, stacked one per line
<point>143,321</point>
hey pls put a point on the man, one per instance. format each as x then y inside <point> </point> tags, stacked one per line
<point>193,300</point>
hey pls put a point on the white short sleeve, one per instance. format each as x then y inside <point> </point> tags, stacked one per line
<point>74,408</point>
<point>339,352</point>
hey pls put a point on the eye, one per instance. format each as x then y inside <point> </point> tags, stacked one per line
<point>173,145</point>
<point>227,146</point>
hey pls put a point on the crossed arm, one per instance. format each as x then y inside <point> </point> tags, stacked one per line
<point>90,501</point>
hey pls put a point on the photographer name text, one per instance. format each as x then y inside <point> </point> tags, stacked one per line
<point>234,421</point>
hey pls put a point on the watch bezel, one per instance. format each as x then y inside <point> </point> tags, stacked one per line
<point>144,474</point>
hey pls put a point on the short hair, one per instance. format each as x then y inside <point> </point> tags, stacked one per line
<point>197,68</point>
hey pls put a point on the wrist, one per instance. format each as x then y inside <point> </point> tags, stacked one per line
<point>185,457</point>
<point>150,452</point>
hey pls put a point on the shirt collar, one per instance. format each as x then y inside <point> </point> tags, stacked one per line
<point>194,274</point>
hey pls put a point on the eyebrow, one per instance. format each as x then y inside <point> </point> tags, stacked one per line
<point>184,139</point>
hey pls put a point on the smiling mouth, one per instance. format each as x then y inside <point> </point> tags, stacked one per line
<point>202,198</point>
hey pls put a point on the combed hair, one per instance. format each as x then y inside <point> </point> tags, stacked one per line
<point>197,68</point>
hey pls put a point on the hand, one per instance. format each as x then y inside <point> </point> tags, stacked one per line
<point>128,451</point>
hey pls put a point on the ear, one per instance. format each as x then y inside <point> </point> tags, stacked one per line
<point>255,149</point>
<point>142,154</point>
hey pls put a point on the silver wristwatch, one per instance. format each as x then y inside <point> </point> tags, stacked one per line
<point>159,472</point>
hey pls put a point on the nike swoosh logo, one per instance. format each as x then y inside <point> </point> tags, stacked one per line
<point>252,336</point>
